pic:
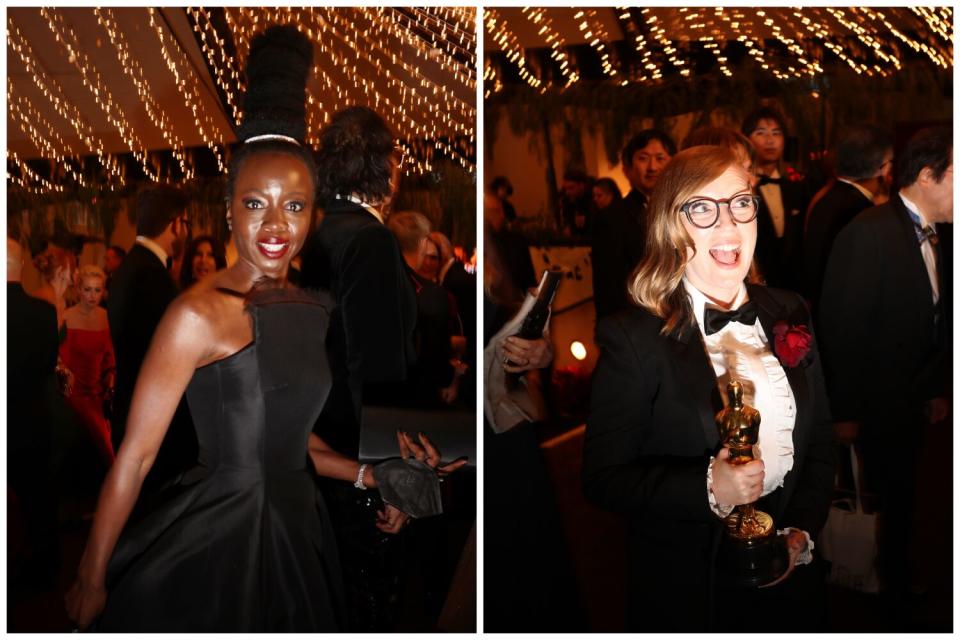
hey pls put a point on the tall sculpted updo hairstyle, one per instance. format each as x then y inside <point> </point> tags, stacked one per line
<point>274,105</point>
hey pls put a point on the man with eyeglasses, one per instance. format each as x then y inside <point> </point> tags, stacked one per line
<point>864,168</point>
<point>140,291</point>
<point>783,200</point>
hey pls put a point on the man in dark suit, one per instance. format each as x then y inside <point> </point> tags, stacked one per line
<point>435,377</point>
<point>783,201</point>
<point>864,168</point>
<point>885,322</point>
<point>142,288</point>
<point>354,256</point>
<point>619,234</point>
<point>31,358</point>
<point>462,286</point>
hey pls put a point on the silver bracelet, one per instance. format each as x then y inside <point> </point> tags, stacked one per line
<point>359,483</point>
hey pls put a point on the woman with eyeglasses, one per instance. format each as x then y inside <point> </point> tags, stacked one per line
<point>652,445</point>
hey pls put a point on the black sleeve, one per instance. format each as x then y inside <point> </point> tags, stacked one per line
<point>378,305</point>
<point>811,499</point>
<point>617,473</point>
<point>849,300</point>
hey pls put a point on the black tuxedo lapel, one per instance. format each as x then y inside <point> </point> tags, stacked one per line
<point>769,311</point>
<point>699,377</point>
<point>907,238</point>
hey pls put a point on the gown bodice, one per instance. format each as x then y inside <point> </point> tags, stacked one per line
<point>242,541</point>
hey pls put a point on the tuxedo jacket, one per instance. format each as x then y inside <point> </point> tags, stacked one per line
<point>886,345</point>
<point>780,258</point>
<point>617,247</point>
<point>838,206</point>
<point>141,290</point>
<point>357,259</point>
<point>649,438</point>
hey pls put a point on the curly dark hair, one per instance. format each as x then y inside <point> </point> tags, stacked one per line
<point>193,247</point>
<point>355,156</point>
<point>275,102</point>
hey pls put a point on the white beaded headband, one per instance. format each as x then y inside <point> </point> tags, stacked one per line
<point>272,136</point>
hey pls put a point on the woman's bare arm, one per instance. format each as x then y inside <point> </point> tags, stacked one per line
<point>182,341</point>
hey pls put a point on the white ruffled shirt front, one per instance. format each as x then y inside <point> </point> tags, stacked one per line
<point>743,352</point>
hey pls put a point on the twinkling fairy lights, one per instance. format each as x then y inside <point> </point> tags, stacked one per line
<point>786,42</point>
<point>509,44</point>
<point>134,70</point>
<point>56,97</point>
<point>594,33</point>
<point>539,17</point>
<point>92,80</point>
<point>187,84</point>
<point>415,65</point>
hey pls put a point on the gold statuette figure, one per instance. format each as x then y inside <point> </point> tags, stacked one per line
<point>753,552</point>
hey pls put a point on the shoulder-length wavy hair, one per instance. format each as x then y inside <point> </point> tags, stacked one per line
<point>193,248</point>
<point>656,282</point>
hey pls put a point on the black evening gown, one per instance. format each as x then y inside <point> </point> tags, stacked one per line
<point>242,541</point>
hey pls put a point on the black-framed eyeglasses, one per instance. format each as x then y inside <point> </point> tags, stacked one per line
<point>704,212</point>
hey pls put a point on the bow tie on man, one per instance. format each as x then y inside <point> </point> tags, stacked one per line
<point>715,319</point>
<point>765,179</point>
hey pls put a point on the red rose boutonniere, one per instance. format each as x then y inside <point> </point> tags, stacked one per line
<point>791,343</point>
<point>793,175</point>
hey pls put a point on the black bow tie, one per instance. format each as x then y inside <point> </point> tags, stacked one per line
<point>768,180</point>
<point>714,319</point>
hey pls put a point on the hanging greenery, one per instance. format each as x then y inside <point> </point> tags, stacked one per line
<point>447,196</point>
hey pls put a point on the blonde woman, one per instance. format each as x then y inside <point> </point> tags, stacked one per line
<point>652,448</point>
<point>87,353</point>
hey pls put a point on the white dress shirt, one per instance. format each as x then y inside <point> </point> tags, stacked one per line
<point>154,248</point>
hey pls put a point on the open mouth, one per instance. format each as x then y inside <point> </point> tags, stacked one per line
<point>273,248</point>
<point>726,255</point>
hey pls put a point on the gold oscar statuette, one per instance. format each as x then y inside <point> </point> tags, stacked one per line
<point>751,553</point>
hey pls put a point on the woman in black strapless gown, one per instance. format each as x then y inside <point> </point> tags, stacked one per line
<point>242,541</point>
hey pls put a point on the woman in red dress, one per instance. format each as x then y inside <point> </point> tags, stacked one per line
<point>87,353</point>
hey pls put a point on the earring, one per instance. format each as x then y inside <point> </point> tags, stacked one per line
<point>229,223</point>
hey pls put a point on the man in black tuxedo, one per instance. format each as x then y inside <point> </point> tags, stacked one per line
<point>783,201</point>
<point>142,288</point>
<point>864,168</point>
<point>885,323</point>
<point>354,256</point>
<point>619,233</point>
<point>31,357</point>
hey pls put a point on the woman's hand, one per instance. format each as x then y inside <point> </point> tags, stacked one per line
<point>391,519</point>
<point>526,354</point>
<point>84,603</point>
<point>796,544</point>
<point>735,484</point>
<point>427,453</point>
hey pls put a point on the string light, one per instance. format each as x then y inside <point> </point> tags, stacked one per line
<point>507,39</point>
<point>67,38</point>
<point>22,110</point>
<point>538,16</point>
<point>57,98</point>
<point>27,172</point>
<point>131,67</point>
<point>190,95</point>
<point>597,36</point>
<point>853,34</point>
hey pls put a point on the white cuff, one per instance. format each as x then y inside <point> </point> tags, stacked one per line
<point>806,556</point>
<point>718,509</point>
